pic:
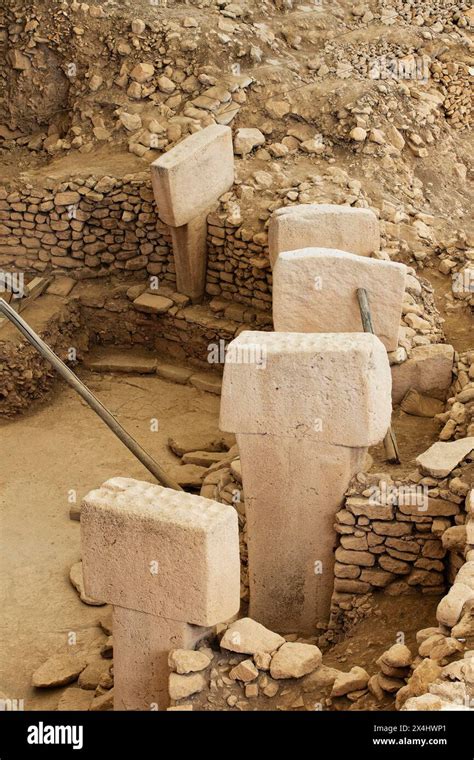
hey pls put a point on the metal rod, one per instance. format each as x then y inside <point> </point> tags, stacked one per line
<point>71,378</point>
<point>390,440</point>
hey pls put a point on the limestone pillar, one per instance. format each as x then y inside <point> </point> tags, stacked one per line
<point>323,225</point>
<point>169,564</point>
<point>187,182</point>
<point>315,290</point>
<point>304,414</point>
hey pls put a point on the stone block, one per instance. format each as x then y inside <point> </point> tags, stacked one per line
<point>323,225</point>
<point>167,553</point>
<point>190,177</point>
<point>327,388</point>
<point>315,290</point>
<point>428,370</point>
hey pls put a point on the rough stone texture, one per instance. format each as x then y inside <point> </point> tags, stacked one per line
<point>326,388</point>
<point>298,475</point>
<point>184,686</point>
<point>356,679</point>
<point>315,290</point>
<point>187,661</point>
<point>141,651</point>
<point>441,458</point>
<point>190,177</point>
<point>247,636</point>
<point>190,256</point>
<point>355,230</point>
<point>428,370</point>
<point>294,660</point>
<point>188,545</point>
<point>58,670</point>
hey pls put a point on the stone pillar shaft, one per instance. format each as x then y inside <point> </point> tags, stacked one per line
<point>291,498</point>
<point>142,644</point>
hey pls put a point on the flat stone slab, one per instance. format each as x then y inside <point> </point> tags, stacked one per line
<point>323,225</point>
<point>61,286</point>
<point>174,373</point>
<point>329,388</point>
<point>121,361</point>
<point>187,475</point>
<point>183,443</point>
<point>315,290</point>
<point>166,553</point>
<point>190,177</point>
<point>207,381</point>
<point>58,670</point>
<point>153,304</point>
<point>429,370</point>
<point>441,458</point>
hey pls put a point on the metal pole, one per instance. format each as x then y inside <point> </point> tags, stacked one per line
<point>71,378</point>
<point>390,440</point>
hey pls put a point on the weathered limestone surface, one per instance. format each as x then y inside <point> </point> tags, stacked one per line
<point>428,370</point>
<point>441,458</point>
<point>167,553</point>
<point>327,388</point>
<point>161,558</point>
<point>190,177</point>
<point>190,256</point>
<point>142,644</point>
<point>315,290</point>
<point>304,408</point>
<point>355,230</point>
<point>291,498</point>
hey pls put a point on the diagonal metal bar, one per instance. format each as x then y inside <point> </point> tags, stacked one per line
<point>71,378</point>
<point>390,440</point>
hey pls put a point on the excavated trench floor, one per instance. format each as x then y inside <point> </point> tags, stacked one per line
<point>59,447</point>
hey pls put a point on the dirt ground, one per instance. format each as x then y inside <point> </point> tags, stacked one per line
<point>57,446</point>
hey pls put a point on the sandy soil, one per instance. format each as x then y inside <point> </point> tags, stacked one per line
<point>57,446</point>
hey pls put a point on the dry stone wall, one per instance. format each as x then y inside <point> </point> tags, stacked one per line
<point>88,228</point>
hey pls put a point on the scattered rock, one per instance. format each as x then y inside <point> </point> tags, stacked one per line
<point>182,686</point>
<point>249,637</point>
<point>294,660</point>
<point>58,670</point>
<point>185,661</point>
<point>356,679</point>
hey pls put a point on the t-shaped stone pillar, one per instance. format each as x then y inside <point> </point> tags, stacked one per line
<point>305,407</point>
<point>187,181</point>
<point>169,564</point>
<point>315,290</point>
<point>323,225</point>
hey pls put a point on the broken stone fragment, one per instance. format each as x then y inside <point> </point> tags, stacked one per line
<point>249,637</point>
<point>419,405</point>
<point>356,679</point>
<point>244,671</point>
<point>294,660</point>
<point>441,458</point>
<point>58,670</point>
<point>75,576</point>
<point>182,686</point>
<point>185,661</point>
<point>246,139</point>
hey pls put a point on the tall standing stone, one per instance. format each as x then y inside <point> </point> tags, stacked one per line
<point>187,181</point>
<point>304,408</point>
